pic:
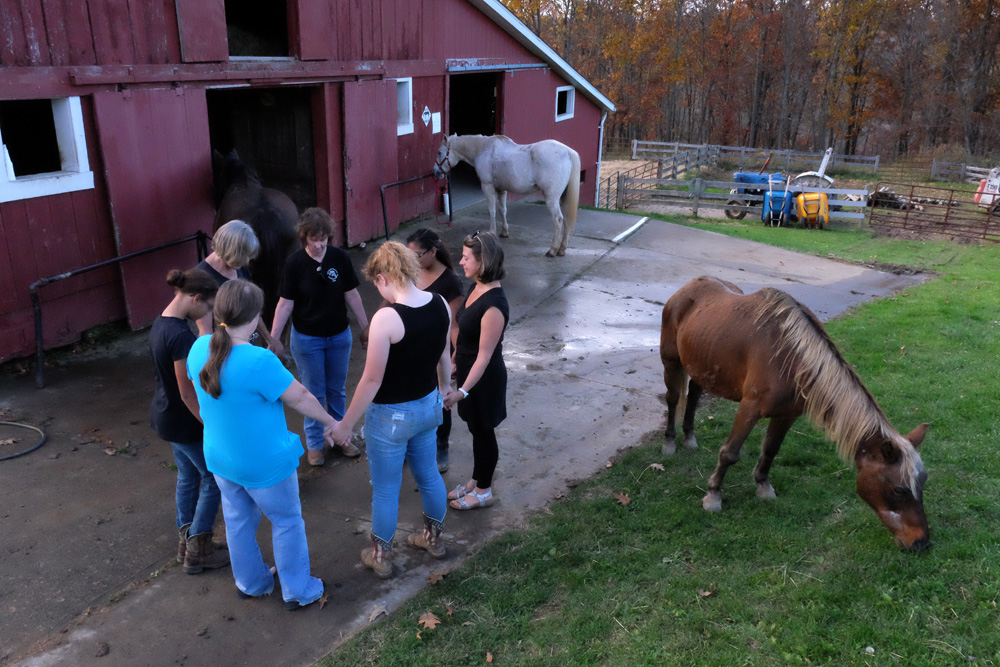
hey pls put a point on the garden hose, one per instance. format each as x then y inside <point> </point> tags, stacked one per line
<point>26,451</point>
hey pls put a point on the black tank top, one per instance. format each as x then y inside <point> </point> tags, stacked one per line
<point>411,369</point>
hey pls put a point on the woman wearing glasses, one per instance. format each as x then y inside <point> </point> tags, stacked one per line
<point>481,375</point>
<point>437,276</point>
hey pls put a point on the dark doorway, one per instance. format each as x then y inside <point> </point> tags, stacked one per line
<point>257,28</point>
<point>472,109</point>
<point>271,129</point>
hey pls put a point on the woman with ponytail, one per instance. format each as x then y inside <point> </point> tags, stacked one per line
<point>242,391</point>
<point>174,415</point>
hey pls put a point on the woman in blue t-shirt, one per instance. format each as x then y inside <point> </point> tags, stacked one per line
<point>242,393</point>
<point>175,418</point>
<point>407,370</point>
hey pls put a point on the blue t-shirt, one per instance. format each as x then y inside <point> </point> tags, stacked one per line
<point>246,438</point>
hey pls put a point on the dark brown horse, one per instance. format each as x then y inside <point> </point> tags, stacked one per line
<point>271,214</point>
<point>771,354</point>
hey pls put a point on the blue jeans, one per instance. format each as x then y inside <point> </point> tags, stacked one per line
<point>398,431</point>
<point>242,508</point>
<point>322,364</point>
<point>197,495</point>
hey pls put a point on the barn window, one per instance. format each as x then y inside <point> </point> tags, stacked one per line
<point>257,28</point>
<point>44,148</point>
<point>565,98</point>
<point>404,106</point>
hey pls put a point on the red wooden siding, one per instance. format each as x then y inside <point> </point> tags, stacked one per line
<point>202,30</point>
<point>369,156</point>
<point>416,151</point>
<point>159,174</point>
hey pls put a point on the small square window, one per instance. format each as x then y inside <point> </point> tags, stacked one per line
<point>404,106</point>
<point>565,99</point>
<point>44,148</point>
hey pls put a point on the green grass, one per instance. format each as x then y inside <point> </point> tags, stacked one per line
<point>810,578</point>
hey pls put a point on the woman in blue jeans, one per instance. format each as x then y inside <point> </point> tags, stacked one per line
<point>407,371</point>
<point>242,392</point>
<point>174,415</point>
<point>318,287</point>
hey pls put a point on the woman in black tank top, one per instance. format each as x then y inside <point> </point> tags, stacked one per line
<point>407,371</point>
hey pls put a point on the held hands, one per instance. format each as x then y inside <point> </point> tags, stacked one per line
<point>276,347</point>
<point>452,397</point>
<point>337,434</point>
<point>364,337</point>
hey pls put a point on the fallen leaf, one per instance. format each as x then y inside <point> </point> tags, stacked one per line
<point>902,350</point>
<point>705,594</point>
<point>560,495</point>
<point>435,576</point>
<point>418,635</point>
<point>657,466</point>
<point>110,451</point>
<point>429,620</point>
<point>324,599</point>
<point>377,611</point>
<point>466,623</point>
<point>608,463</point>
<point>489,657</point>
<point>450,610</point>
<point>8,441</point>
<point>622,498</point>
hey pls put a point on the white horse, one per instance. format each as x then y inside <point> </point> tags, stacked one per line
<point>503,166</point>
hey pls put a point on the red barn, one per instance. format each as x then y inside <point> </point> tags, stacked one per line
<point>109,111</point>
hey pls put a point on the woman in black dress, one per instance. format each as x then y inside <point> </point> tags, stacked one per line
<point>482,377</point>
<point>437,276</point>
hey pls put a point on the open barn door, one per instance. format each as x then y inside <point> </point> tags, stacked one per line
<point>158,169</point>
<point>370,157</point>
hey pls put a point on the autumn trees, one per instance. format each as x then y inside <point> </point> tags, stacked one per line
<point>865,76</point>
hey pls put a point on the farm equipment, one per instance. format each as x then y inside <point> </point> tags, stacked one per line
<point>778,206</point>
<point>756,185</point>
<point>988,195</point>
<point>777,209</point>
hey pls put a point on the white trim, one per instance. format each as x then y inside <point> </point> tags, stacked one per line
<point>628,232</point>
<point>72,141</point>
<point>516,29</point>
<point>570,102</point>
<point>404,107</point>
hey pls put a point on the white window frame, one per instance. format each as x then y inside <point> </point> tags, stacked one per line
<point>75,174</point>
<point>570,102</point>
<point>404,107</point>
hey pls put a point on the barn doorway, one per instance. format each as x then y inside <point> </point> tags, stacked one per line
<point>473,108</point>
<point>271,128</point>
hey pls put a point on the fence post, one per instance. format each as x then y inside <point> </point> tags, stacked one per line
<point>934,169</point>
<point>743,152</point>
<point>698,186</point>
<point>677,148</point>
<point>635,145</point>
<point>620,195</point>
<point>659,168</point>
<point>961,175</point>
<point>875,170</point>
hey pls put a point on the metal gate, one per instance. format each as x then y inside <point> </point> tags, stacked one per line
<point>925,211</point>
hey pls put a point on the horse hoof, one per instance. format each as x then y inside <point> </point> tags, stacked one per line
<point>765,491</point>
<point>504,234</point>
<point>690,442</point>
<point>669,448</point>
<point>549,254</point>
<point>712,502</point>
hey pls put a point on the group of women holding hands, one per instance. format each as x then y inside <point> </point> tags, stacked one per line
<point>220,399</point>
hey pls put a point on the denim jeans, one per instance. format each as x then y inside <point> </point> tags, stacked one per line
<point>242,508</point>
<point>394,433</point>
<point>197,495</point>
<point>322,364</point>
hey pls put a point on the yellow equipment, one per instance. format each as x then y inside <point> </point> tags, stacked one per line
<point>813,209</point>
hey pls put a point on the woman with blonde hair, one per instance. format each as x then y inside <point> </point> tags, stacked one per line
<point>407,371</point>
<point>242,393</point>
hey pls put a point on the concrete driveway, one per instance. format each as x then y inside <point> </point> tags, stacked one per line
<point>86,524</point>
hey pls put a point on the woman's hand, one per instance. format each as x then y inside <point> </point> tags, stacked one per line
<point>453,397</point>
<point>276,347</point>
<point>337,434</point>
<point>364,337</point>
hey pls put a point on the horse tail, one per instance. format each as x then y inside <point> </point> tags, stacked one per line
<point>571,196</point>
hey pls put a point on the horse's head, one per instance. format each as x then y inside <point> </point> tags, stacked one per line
<point>446,159</point>
<point>891,480</point>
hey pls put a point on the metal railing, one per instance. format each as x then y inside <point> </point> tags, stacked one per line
<point>611,193</point>
<point>925,211</point>
<point>199,237</point>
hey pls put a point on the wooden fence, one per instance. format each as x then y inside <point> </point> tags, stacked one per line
<point>754,157</point>
<point>963,173</point>
<point>927,211</point>
<point>675,166</point>
<point>699,194</point>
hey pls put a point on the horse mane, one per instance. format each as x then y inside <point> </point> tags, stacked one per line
<point>471,145</point>
<point>836,399</point>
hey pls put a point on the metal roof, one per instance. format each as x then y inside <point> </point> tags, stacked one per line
<point>516,29</point>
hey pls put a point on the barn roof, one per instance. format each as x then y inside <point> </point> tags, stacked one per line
<point>529,40</point>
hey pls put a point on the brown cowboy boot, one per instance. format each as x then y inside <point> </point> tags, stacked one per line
<point>430,539</point>
<point>182,535</point>
<point>378,558</point>
<point>203,554</point>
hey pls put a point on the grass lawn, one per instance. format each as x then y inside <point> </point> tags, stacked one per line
<point>809,578</point>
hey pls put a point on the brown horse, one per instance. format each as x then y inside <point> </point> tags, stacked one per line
<point>270,213</point>
<point>771,354</point>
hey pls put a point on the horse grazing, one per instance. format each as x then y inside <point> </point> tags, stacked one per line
<point>771,354</point>
<point>271,214</point>
<point>503,166</point>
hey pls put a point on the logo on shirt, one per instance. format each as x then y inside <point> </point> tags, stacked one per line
<point>332,275</point>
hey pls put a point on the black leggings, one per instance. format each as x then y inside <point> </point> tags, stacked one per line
<point>444,430</point>
<point>485,453</point>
